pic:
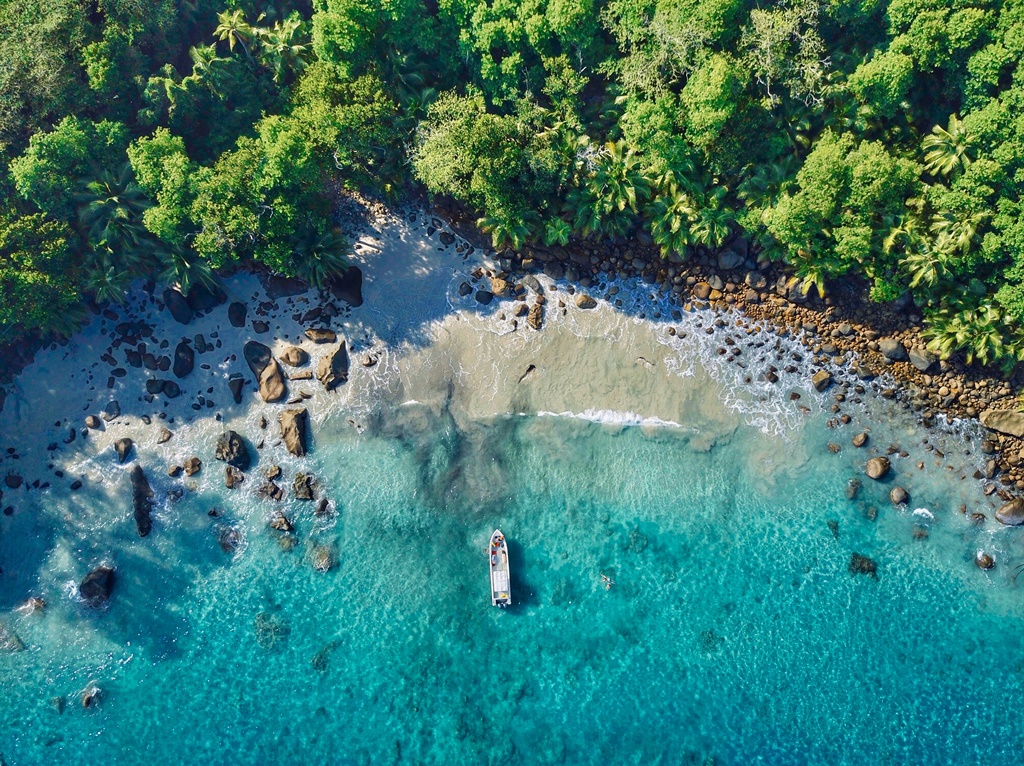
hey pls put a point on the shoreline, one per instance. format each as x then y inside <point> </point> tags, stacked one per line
<point>283,315</point>
<point>844,330</point>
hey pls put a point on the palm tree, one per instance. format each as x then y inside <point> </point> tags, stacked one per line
<point>945,149</point>
<point>557,232</point>
<point>610,196</point>
<point>110,213</point>
<point>233,28</point>
<point>714,221</point>
<point>977,331</point>
<point>928,266</point>
<point>958,230</point>
<point>507,231</point>
<point>282,49</point>
<point>670,218</point>
<point>319,257</point>
<point>106,282</point>
<point>186,270</point>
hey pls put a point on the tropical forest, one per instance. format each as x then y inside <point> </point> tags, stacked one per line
<point>870,140</point>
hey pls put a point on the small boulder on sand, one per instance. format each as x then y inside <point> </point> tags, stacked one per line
<point>294,356</point>
<point>333,368</point>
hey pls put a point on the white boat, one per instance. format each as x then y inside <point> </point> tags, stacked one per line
<point>501,590</point>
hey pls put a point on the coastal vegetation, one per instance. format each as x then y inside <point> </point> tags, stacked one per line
<point>876,139</point>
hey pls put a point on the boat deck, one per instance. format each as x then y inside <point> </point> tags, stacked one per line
<point>501,593</point>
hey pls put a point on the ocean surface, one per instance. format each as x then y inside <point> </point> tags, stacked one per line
<point>680,549</point>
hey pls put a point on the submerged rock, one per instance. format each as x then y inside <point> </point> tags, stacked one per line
<point>878,467</point>
<point>9,641</point>
<point>333,368</point>
<point>293,430</point>
<point>271,630</point>
<point>232,450</point>
<point>984,560</point>
<point>142,501</point>
<point>863,565</point>
<point>96,587</point>
<point>323,558</point>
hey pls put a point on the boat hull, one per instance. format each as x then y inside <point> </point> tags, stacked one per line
<point>501,585</point>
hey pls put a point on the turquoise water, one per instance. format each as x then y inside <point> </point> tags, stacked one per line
<point>733,633</point>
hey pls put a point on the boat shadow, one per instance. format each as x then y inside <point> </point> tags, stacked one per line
<point>523,593</point>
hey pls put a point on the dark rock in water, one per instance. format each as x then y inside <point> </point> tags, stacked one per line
<point>321,335</point>
<point>860,439</point>
<point>977,519</point>
<point>9,641</point>
<point>333,368</point>
<point>833,527</point>
<point>91,695</point>
<point>271,631</point>
<point>294,356</point>
<point>111,411</point>
<point>821,380</point>
<point>13,480</point>
<point>174,471</point>
<point>281,523</point>
<point>260,327</point>
<point>91,421</point>
<point>165,436</point>
<point>184,360</point>
<point>142,501</point>
<point>465,289</point>
<point>123,447</point>
<point>154,386</point>
<point>228,538</point>
<point>323,508</point>
<point>285,287</point>
<point>863,565</point>
<point>272,472</point>
<point>483,297</point>
<point>852,489</point>
<point>97,586</point>
<point>192,466</point>
<point>232,477</point>
<point>171,389</point>
<point>257,356</point>
<point>232,450</point>
<point>321,659</point>
<point>984,560</point>
<point>878,467</point>
<point>271,491</point>
<point>202,298</point>
<point>899,496</point>
<point>178,306</point>
<point>235,384</point>
<point>302,487</point>
<point>1011,513</point>
<point>237,313</point>
<point>349,287</point>
<point>293,430</point>
<point>323,558</point>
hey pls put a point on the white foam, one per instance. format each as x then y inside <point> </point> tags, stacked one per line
<point>612,417</point>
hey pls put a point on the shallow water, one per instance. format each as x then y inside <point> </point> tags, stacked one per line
<point>733,633</point>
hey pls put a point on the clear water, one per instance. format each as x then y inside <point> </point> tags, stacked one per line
<point>733,634</point>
